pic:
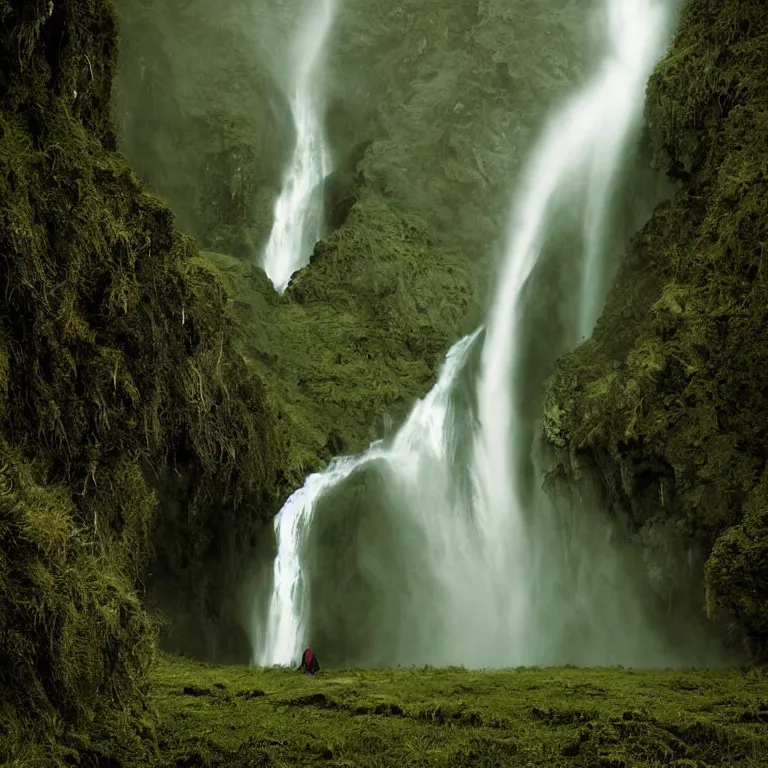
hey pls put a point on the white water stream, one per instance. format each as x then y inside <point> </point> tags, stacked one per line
<point>298,214</point>
<point>480,552</point>
<point>418,449</point>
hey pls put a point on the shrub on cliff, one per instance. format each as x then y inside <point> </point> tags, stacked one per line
<point>115,362</point>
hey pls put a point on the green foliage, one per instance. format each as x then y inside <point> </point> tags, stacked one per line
<point>669,394</point>
<point>235,716</point>
<point>358,334</point>
<point>737,570</point>
<point>116,370</point>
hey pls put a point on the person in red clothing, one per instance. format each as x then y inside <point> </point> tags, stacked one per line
<point>309,662</point>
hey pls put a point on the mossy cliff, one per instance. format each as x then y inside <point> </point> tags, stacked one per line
<point>116,373</point>
<point>388,290</point>
<point>201,117</point>
<point>358,335</point>
<point>667,403</point>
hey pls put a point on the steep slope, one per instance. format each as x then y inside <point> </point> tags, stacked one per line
<point>667,404</point>
<point>357,336</point>
<point>447,96</point>
<point>116,374</point>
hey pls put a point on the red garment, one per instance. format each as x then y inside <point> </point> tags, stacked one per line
<point>309,662</point>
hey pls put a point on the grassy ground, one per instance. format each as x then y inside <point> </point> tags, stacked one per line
<point>238,717</point>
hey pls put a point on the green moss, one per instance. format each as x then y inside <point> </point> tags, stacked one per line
<point>219,716</point>
<point>358,335</point>
<point>737,570</point>
<point>116,372</point>
<point>75,643</point>
<point>668,397</point>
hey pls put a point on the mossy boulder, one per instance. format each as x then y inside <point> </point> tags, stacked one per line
<point>116,371</point>
<point>667,401</point>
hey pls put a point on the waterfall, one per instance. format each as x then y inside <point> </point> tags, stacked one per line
<point>418,447</point>
<point>298,213</point>
<point>448,568</point>
<point>636,31</point>
<point>585,138</point>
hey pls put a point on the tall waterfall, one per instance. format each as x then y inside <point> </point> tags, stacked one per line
<point>586,137</point>
<point>298,214</point>
<point>420,551</point>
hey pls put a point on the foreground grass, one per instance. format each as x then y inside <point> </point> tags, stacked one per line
<point>238,717</point>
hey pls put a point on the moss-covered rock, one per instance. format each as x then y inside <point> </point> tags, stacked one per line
<point>667,401</point>
<point>76,642</point>
<point>737,571</point>
<point>357,336</point>
<point>116,371</point>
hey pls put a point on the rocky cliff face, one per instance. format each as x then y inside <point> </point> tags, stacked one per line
<point>117,374</point>
<point>436,103</point>
<point>667,403</point>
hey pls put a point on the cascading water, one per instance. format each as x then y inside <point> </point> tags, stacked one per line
<point>636,31</point>
<point>587,136</point>
<point>474,599</point>
<point>418,448</point>
<point>298,214</point>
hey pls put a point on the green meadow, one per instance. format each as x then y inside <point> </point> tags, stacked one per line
<point>241,717</point>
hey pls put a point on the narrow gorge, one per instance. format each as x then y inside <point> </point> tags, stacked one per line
<point>428,334</point>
